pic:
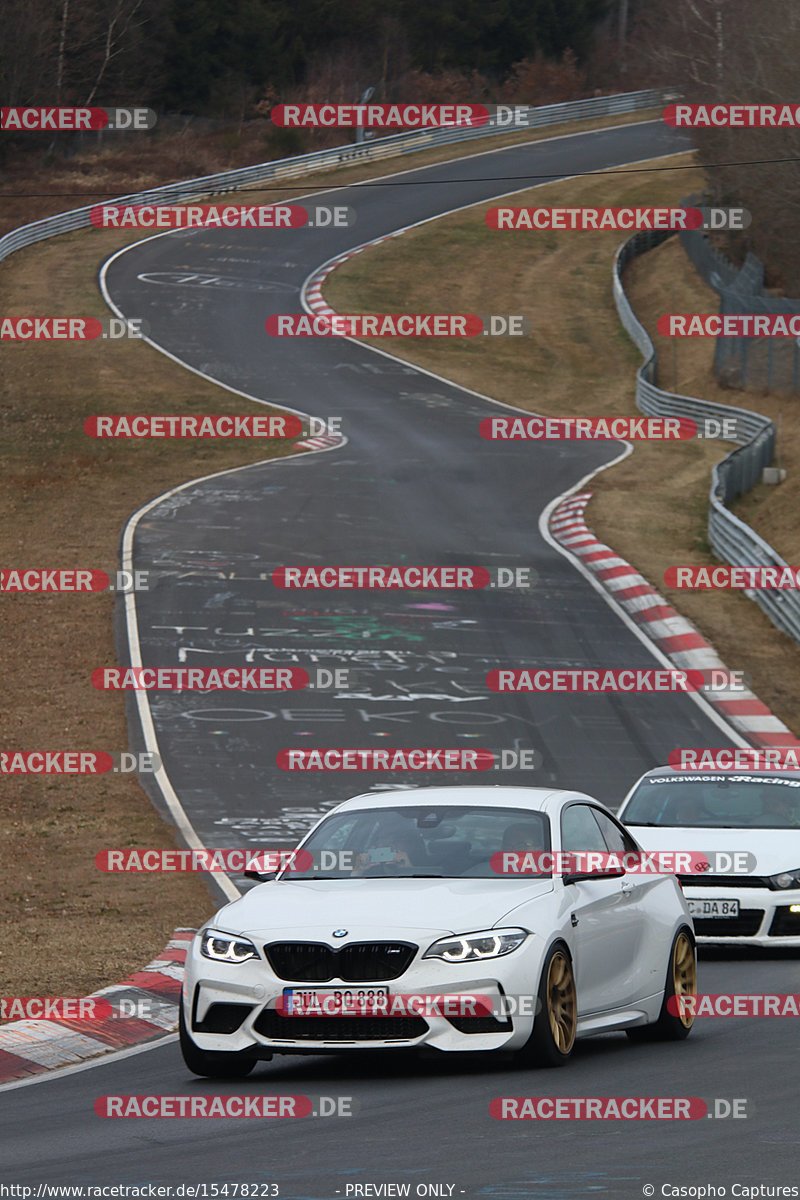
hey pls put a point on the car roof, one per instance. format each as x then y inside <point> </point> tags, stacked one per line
<point>536,799</point>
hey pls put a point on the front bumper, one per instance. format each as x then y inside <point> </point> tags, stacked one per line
<point>255,990</point>
<point>765,916</point>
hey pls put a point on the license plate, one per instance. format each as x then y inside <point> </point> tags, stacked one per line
<point>713,908</point>
<point>327,1002</point>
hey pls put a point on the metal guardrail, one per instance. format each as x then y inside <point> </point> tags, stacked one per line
<point>731,539</point>
<point>336,156</point>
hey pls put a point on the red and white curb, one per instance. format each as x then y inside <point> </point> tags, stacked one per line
<point>31,1047</point>
<point>318,305</point>
<point>323,442</point>
<point>312,292</point>
<point>674,635</point>
<point>312,295</point>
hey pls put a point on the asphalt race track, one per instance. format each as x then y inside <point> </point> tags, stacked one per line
<point>414,484</point>
<point>428,1121</point>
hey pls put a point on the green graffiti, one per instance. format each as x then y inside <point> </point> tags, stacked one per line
<point>357,628</point>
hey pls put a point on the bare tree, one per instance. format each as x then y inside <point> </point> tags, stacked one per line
<point>27,52</point>
<point>740,52</point>
<point>120,19</point>
<point>62,43</point>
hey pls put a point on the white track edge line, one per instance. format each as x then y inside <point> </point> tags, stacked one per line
<point>98,1060</point>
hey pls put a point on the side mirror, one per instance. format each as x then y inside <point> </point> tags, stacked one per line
<point>587,876</point>
<point>260,876</point>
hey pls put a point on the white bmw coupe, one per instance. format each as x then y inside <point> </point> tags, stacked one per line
<point>402,931</point>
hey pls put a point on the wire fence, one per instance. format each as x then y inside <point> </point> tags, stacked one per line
<point>741,362</point>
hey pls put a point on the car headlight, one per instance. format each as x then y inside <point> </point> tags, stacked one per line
<point>784,880</point>
<point>468,947</point>
<point>226,947</point>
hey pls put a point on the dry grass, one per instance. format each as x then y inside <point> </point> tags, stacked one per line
<point>63,500</point>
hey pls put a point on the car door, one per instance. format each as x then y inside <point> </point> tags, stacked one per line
<point>605,922</point>
<point>645,962</point>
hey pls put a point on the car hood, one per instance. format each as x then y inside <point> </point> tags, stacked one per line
<point>774,849</point>
<point>440,905</point>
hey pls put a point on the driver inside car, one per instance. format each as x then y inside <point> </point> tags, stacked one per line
<point>779,810</point>
<point>401,853</point>
<point>524,838</point>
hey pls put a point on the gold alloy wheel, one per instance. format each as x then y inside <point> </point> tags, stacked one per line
<point>684,976</point>
<point>561,1002</point>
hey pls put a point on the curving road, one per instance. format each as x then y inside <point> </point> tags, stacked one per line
<point>414,484</point>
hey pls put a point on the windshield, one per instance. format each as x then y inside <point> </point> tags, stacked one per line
<point>445,842</point>
<point>716,802</point>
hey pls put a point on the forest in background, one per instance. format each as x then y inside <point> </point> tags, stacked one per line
<point>213,69</point>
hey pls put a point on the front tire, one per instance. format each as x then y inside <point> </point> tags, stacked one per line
<point>681,981</point>
<point>213,1064</point>
<point>556,1020</point>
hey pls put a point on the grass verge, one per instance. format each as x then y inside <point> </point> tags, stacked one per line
<point>63,499</point>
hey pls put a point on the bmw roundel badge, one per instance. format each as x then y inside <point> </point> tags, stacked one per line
<point>340,933</point>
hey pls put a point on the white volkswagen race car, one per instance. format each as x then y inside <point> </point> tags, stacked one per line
<point>747,826</point>
<point>402,932</point>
